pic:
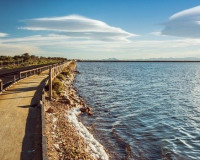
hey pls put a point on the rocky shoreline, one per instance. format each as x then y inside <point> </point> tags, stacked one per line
<point>65,135</point>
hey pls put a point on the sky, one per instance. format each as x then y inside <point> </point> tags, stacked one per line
<point>101,29</point>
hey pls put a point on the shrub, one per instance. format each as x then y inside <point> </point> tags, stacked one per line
<point>55,95</point>
<point>57,85</point>
<point>61,77</point>
<point>66,73</point>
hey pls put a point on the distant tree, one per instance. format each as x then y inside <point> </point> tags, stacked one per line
<point>26,56</point>
<point>17,57</point>
<point>26,59</point>
<point>10,59</point>
<point>33,57</point>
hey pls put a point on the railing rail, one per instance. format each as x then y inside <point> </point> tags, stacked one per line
<point>53,72</point>
<point>54,68</point>
<point>33,71</point>
<point>1,85</point>
<point>44,138</point>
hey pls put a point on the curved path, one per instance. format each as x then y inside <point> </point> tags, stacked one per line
<point>20,119</point>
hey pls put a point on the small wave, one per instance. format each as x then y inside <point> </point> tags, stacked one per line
<point>95,148</point>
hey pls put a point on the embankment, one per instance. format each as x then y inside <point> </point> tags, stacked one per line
<point>67,138</point>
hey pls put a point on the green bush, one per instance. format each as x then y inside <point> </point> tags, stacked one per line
<point>61,77</point>
<point>55,95</point>
<point>57,85</point>
<point>66,72</point>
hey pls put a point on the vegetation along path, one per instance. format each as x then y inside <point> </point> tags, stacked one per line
<point>20,119</point>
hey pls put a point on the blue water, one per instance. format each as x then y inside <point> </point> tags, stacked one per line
<point>143,110</point>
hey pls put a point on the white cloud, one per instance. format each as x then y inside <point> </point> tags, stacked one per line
<point>184,24</point>
<point>16,49</point>
<point>79,27</point>
<point>76,35</point>
<point>157,33</point>
<point>3,34</point>
<point>63,45</point>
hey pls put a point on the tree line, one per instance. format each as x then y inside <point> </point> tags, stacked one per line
<point>26,60</point>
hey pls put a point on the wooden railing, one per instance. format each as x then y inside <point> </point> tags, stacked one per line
<point>53,72</point>
<point>1,85</point>
<point>30,72</point>
<point>44,139</point>
<point>21,75</point>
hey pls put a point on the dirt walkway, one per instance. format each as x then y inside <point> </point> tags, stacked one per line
<point>20,123</point>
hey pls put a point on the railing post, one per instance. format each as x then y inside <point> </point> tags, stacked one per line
<point>1,85</point>
<point>50,83</point>
<point>20,75</point>
<point>14,78</point>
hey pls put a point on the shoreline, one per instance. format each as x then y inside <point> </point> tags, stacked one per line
<point>144,61</point>
<point>67,138</point>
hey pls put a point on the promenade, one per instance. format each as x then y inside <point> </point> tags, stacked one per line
<point>20,119</point>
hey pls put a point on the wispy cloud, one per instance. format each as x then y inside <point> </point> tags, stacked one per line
<point>17,48</point>
<point>184,24</point>
<point>71,35</point>
<point>62,45</point>
<point>3,35</point>
<point>157,33</point>
<point>78,27</point>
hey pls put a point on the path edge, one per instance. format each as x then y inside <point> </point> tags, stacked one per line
<point>44,138</point>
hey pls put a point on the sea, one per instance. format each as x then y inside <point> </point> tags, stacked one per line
<point>143,110</point>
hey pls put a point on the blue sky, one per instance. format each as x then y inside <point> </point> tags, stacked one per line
<point>96,29</point>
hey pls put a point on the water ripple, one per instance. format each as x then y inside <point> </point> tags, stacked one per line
<point>144,110</point>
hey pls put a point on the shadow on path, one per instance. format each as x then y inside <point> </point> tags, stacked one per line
<point>32,141</point>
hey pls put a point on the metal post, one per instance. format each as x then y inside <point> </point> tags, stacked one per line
<point>50,83</point>
<point>1,85</point>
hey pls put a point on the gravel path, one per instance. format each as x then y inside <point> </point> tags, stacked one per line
<point>20,129</point>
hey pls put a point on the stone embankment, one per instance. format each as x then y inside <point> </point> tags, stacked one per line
<point>63,140</point>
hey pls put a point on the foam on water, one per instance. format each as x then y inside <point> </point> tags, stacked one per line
<point>95,148</point>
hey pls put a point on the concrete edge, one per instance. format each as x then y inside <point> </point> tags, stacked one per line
<point>44,139</point>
